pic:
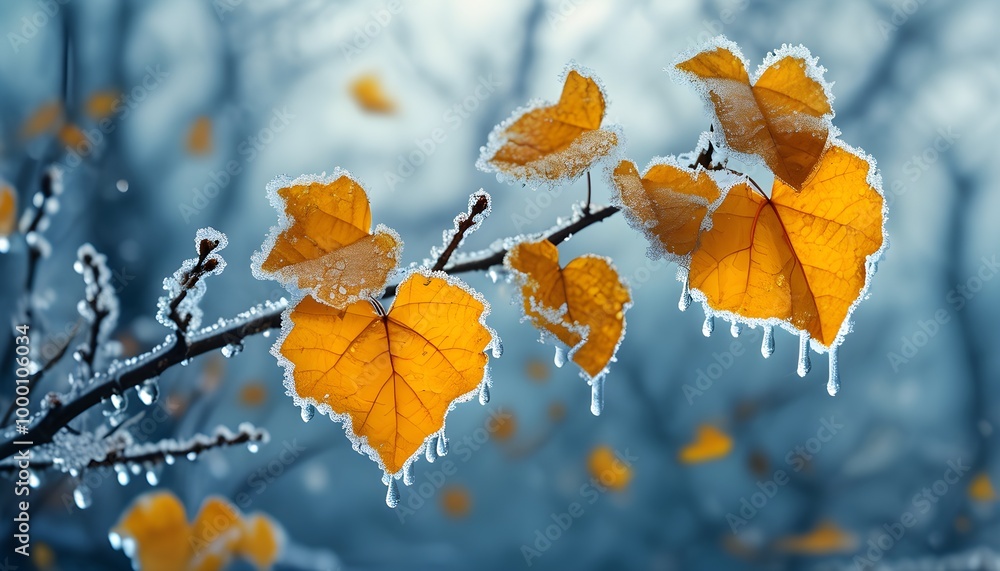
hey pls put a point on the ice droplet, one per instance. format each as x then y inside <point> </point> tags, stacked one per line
<point>430,449</point>
<point>484,394</point>
<point>33,480</point>
<point>497,348</point>
<point>115,540</point>
<point>804,363</point>
<point>169,459</point>
<point>123,476</point>
<point>408,474</point>
<point>192,456</point>
<point>232,350</point>
<point>153,475</point>
<point>685,301</point>
<point>597,395</point>
<point>119,401</point>
<point>253,447</point>
<point>442,446</point>
<point>833,384</point>
<point>560,358</point>
<point>82,497</point>
<point>307,412</point>
<point>767,344</point>
<point>735,329</point>
<point>392,495</point>
<point>709,326</point>
<point>148,391</point>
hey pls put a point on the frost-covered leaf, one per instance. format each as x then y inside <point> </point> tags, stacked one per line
<point>582,304</point>
<point>710,443</point>
<point>800,258</point>
<point>369,93</point>
<point>781,115</point>
<point>324,243</point>
<point>155,534</point>
<point>391,379</point>
<point>551,143</point>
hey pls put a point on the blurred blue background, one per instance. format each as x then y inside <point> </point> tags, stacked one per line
<point>264,88</point>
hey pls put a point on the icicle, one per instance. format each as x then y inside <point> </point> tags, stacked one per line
<point>148,391</point>
<point>115,540</point>
<point>253,447</point>
<point>442,446</point>
<point>709,326</point>
<point>685,301</point>
<point>123,476</point>
<point>307,413</point>
<point>392,495</point>
<point>430,449</point>
<point>560,359</point>
<point>804,363</point>
<point>408,474</point>
<point>597,395</point>
<point>767,345</point>
<point>82,496</point>
<point>153,475</point>
<point>484,394</point>
<point>735,329</point>
<point>497,348</point>
<point>833,384</point>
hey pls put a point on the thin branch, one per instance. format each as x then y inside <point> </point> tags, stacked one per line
<point>37,375</point>
<point>189,280</point>
<point>463,224</point>
<point>586,207</point>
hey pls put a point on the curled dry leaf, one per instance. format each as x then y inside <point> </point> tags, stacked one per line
<point>324,242</point>
<point>783,116</point>
<point>391,378</point>
<point>552,143</point>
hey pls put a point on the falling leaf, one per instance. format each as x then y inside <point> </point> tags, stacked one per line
<point>199,136</point>
<point>826,539</point>
<point>552,143</point>
<point>45,119</point>
<point>981,489</point>
<point>102,104</point>
<point>8,210</point>
<point>73,138</point>
<point>798,257</point>
<point>782,116</point>
<point>157,528</point>
<point>370,95</point>
<point>324,243</point>
<point>253,393</point>
<point>608,469</point>
<point>390,378</point>
<point>537,370</point>
<point>582,304</point>
<point>456,502</point>
<point>710,443</point>
<point>504,426</point>
<point>668,203</point>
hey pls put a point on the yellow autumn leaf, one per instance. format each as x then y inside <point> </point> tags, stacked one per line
<point>391,378</point>
<point>710,443</point>
<point>607,469</point>
<point>102,104</point>
<point>199,136</point>
<point>827,538</point>
<point>369,93</point>
<point>981,489</point>
<point>8,210</point>
<point>324,243</point>
<point>46,118</point>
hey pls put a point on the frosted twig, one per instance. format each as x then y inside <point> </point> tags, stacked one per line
<point>481,204</point>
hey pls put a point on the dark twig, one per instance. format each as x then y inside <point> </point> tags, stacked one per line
<point>99,311</point>
<point>37,375</point>
<point>189,280</point>
<point>464,223</point>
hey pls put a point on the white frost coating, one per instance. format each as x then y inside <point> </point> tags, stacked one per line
<point>813,71</point>
<point>190,305</point>
<point>804,363</point>
<point>93,266</point>
<point>496,138</point>
<point>290,283</point>
<point>360,443</point>
<point>735,328</point>
<point>477,221</point>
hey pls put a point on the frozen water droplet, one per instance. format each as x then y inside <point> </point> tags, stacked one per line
<point>33,480</point>
<point>597,395</point>
<point>767,344</point>
<point>169,459</point>
<point>122,185</point>
<point>136,469</point>
<point>307,413</point>
<point>685,301</point>
<point>709,326</point>
<point>266,333</point>
<point>484,394</point>
<point>833,384</point>
<point>185,362</point>
<point>82,497</point>
<point>148,391</point>
<point>442,446</point>
<point>560,357</point>
<point>122,473</point>
<point>115,540</point>
<point>253,447</point>
<point>392,495</point>
<point>735,329</point>
<point>804,363</point>
<point>119,401</point>
<point>192,456</point>
<point>430,449</point>
<point>231,350</point>
<point>408,474</point>
<point>153,475</point>
<point>497,348</point>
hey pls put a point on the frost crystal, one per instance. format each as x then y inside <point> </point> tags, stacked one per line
<point>187,286</point>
